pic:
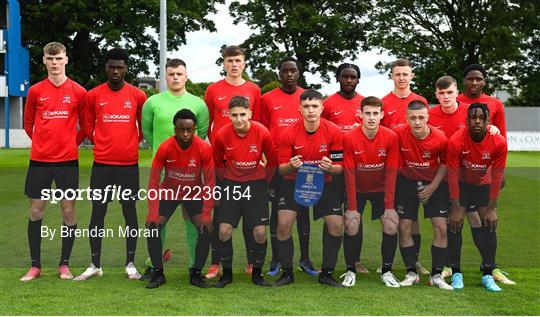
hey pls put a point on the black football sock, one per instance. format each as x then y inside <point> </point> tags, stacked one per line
<point>130,217</point>
<point>304,230</point>
<point>455,241</point>
<point>155,246</point>
<point>259,252</point>
<point>273,231</point>
<point>286,253</point>
<point>438,258</point>
<point>351,250</point>
<point>226,254</point>
<point>97,224</point>
<point>407,254</point>
<point>201,249</point>
<point>34,241</point>
<point>214,245</point>
<point>67,244</point>
<point>490,247</point>
<point>417,240</point>
<point>388,251</point>
<point>478,240</point>
<point>248,241</point>
<point>331,246</point>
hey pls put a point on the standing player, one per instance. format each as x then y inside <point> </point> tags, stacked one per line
<point>279,109</point>
<point>217,99</point>
<point>157,113</point>
<point>189,180</point>
<point>238,151</point>
<point>52,109</point>
<point>423,152</point>
<point>370,159</point>
<point>311,141</point>
<point>113,124</point>
<point>476,163</point>
<point>343,109</point>
<point>395,115</point>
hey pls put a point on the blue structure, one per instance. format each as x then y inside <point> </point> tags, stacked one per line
<point>15,78</point>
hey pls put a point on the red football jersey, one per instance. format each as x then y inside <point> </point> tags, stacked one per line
<point>217,98</point>
<point>295,140</point>
<point>448,123</point>
<point>50,120</point>
<point>113,123</point>
<point>475,163</point>
<point>279,110</point>
<point>189,173</point>
<point>496,110</point>
<point>370,164</point>
<point>345,113</point>
<point>395,109</point>
<point>421,158</point>
<point>240,158</point>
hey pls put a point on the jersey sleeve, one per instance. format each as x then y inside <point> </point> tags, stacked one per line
<point>350,172</point>
<point>392,166</point>
<point>444,146</point>
<point>218,154</point>
<point>336,147</point>
<point>265,113</point>
<point>269,153</point>
<point>499,119</point>
<point>497,169</point>
<point>209,179</point>
<point>30,112</point>
<point>452,161</point>
<point>202,121</point>
<point>147,121</point>
<point>141,99</point>
<point>256,103</point>
<point>81,135</point>
<point>89,118</point>
<point>285,148</point>
<point>208,100</point>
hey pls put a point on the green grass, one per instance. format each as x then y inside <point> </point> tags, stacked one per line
<point>518,254</point>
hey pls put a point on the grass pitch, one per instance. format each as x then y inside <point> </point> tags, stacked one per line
<point>113,294</point>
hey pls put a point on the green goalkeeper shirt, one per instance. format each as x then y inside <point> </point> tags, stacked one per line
<point>159,110</point>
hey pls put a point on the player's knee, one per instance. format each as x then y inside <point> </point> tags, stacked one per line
<point>259,234</point>
<point>439,231</point>
<point>405,228</point>
<point>36,212</point>
<point>352,228</point>
<point>335,227</point>
<point>225,234</point>
<point>474,219</point>
<point>389,227</point>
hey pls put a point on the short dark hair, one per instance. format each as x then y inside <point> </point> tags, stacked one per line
<point>117,53</point>
<point>233,50</point>
<point>416,105</point>
<point>311,94</point>
<point>402,62</point>
<point>477,67</point>
<point>287,59</point>
<point>478,105</point>
<point>239,101</point>
<point>54,48</point>
<point>184,114</point>
<point>346,66</point>
<point>175,62</point>
<point>371,101</point>
<point>445,82</point>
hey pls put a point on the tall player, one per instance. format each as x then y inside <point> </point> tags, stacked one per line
<point>217,99</point>
<point>343,109</point>
<point>279,109</point>
<point>190,179</point>
<point>311,141</point>
<point>51,112</point>
<point>157,113</point>
<point>370,158</point>
<point>476,163</point>
<point>395,114</point>
<point>421,180</point>
<point>112,122</point>
<point>239,147</point>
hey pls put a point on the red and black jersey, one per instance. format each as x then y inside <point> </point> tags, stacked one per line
<point>370,165</point>
<point>295,140</point>
<point>217,98</point>
<point>189,173</point>
<point>448,123</point>
<point>240,158</point>
<point>395,109</point>
<point>279,110</point>
<point>343,112</point>
<point>421,158</point>
<point>113,123</point>
<point>50,120</point>
<point>476,163</point>
<point>495,106</point>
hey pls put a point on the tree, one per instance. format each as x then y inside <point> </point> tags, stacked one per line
<point>318,33</point>
<point>90,28</point>
<point>442,37</point>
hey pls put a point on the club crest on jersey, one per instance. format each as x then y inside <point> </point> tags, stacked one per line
<point>67,99</point>
<point>382,152</point>
<point>127,104</point>
<point>253,148</point>
<point>192,163</point>
<point>323,148</point>
<point>486,156</point>
<point>427,154</point>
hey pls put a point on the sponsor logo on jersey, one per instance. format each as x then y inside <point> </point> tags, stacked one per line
<point>245,164</point>
<point>370,167</point>
<point>116,117</point>
<point>285,122</point>
<point>57,114</point>
<point>419,165</point>
<point>181,176</point>
<point>474,166</point>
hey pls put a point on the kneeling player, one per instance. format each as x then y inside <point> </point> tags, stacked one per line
<point>311,141</point>
<point>423,151</point>
<point>476,163</point>
<point>370,158</point>
<point>189,180</point>
<point>238,151</point>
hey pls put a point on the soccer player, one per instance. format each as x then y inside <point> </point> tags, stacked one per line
<point>343,109</point>
<point>189,180</point>
<point>395,115</point>
<point>112,122</point>
<point>370,159</point>
<point>279,109</point>
<point>52,109</point>
<point>217,99</point>
<point>157,113</point>
<point>421,180</point>
<point>476,163</point>
<point>311,141</point>
<point>238,151</point>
